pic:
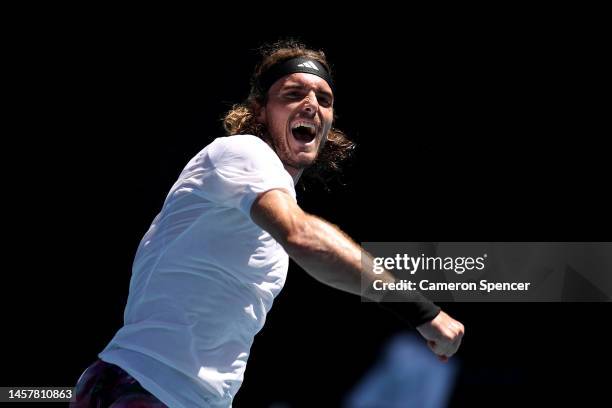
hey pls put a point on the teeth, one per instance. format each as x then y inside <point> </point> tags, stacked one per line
<point>304,124</point>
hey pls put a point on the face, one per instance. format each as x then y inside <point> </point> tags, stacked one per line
<point>298,114</point>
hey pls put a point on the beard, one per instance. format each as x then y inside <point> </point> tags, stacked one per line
<point>283,151</point>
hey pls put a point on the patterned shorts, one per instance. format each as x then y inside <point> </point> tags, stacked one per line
<point>105,385</point>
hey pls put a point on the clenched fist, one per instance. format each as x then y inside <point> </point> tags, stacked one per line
<point>443,335</point>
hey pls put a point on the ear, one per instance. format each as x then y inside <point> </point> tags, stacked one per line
<point>260,113</point>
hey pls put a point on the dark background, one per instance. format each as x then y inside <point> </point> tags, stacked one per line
<point>465,132</point>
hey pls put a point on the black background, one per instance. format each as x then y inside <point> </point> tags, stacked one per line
<point>476,131</point>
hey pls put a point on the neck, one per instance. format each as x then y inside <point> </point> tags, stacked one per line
<point>294,173</point>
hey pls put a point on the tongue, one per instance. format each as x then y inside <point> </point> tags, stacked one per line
<point>302,134</point>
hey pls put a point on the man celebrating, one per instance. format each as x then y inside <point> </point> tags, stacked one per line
<point>208,269</point>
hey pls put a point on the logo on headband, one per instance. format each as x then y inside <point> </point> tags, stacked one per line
<point>308,64</point>
<point>292,66</point>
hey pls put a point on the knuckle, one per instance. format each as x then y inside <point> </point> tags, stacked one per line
<point>449,339</point>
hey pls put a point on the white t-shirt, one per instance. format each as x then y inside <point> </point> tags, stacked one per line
<point>204,278</point>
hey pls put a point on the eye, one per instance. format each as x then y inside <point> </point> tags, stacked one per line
<point>293,94</point>
<point>324,101</point>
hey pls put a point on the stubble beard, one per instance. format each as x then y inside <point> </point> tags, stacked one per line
<point>283,151</point>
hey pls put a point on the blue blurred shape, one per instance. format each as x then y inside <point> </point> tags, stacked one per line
<point>407,375</point>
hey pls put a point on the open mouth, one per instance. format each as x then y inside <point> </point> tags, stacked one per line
<point>304,131</point>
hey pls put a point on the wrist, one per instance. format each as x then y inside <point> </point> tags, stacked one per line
<point>414,311</point>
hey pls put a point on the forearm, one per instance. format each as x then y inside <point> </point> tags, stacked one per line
<point>330,256</point>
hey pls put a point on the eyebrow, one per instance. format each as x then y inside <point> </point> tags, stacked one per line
<point>300,86</point>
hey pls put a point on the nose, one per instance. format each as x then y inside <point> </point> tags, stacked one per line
<point>311,104</point>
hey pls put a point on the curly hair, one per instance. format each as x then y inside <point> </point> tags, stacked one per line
<point>241,119</point>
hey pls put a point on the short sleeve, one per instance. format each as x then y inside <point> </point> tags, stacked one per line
<point>232,171</point>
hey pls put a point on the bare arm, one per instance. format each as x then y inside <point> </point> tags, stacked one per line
<point>330,256</point>
<point>321,248</point>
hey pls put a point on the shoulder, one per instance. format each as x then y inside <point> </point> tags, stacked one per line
<point>240,146</point>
